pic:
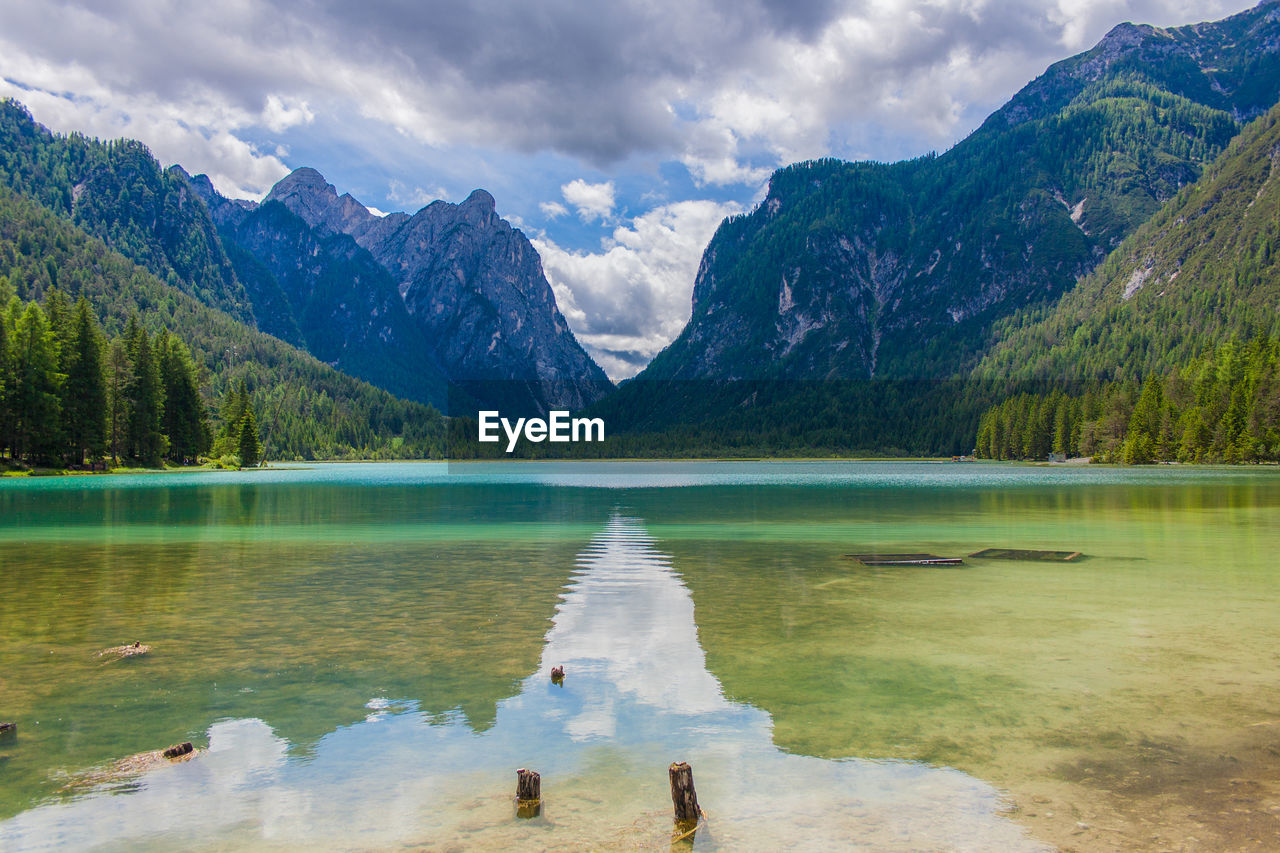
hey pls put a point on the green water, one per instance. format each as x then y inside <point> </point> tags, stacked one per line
<point>364,650</point>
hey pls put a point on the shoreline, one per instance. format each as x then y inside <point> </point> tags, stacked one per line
<point>28,473</point>
<point>1161,793</point>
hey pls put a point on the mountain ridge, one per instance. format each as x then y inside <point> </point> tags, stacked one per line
<point>343,304</point>
<point>900,270</point>
<point>1199,273</point>
<point>290,267</point>
<point>475,287</point>
<point>308,409</point>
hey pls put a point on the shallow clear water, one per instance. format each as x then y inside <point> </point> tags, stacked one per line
<point>365,650</point>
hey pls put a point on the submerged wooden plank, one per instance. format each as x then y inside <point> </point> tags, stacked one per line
<point>1027,554</point>
<point>916,559</point>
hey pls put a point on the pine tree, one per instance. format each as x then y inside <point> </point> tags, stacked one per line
<point>59,314</point>
<point>250,447</point>
<point>234,406</point>
<point>118,370</point>
<point>186,420</point>
<point>6,366</point>
<point>84,392</point>
<point>35,405</point>
<point>143,436</point>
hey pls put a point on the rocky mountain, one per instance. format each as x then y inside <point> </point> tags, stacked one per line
<point>448,303</point>
<point>474,287</point>
<point>323,291</point>
<point>871,270</point>
<point>1204,271</point>
<point>305,409</point>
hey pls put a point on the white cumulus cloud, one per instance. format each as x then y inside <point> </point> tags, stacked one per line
<point>630,299</point>
<point>280,114</point>
<point>730,89</point>
<point>553,209</point>
<point>592,201</point>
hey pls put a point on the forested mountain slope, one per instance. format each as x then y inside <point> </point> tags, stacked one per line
<point>1204,270</point>
<point>858,270</point>
<point>307,409</point>
<point>117,192</point>
<point>1171,349</point>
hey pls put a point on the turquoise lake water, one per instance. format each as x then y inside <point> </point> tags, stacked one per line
<point>361,654</point>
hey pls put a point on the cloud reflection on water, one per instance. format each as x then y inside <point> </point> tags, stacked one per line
<point>637,696</point>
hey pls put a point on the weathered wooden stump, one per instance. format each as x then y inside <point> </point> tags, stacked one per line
<point>557,675</point>
<point>126,651</point>
<point>178,750</point>
<point>528,793</point>
<point>683,796</point>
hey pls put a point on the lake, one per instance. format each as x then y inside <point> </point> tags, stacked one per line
<point>361,655</point>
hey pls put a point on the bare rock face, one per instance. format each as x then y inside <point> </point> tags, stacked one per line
<point>475,288</point>
<point>305,192</point>
<point>319,289</point>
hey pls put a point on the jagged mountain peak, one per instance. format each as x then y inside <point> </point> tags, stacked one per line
<point>303,179</point>
<point>221,208</point>
<point>1125,34</point>
<point>472,284</point>
<point>482,199</point>
<point>306,192</point>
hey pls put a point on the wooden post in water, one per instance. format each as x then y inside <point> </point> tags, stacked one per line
<point>528,793</point>
<point>683,796</point>
<point>178,750</point>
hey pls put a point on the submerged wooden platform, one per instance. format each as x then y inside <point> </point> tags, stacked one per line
<point>905,560</point>
<point>1025,554</point>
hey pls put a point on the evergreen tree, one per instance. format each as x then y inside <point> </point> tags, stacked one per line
<point>234,406</point>
<point>35,404</point>
<point>1139,446</point>
<point>6,364</point>
<point>143,437</point>
<point>118,371</point>
<point>84,392</point>
<point>57,310</point>
<point>186,420</point>
<point>250,447</point>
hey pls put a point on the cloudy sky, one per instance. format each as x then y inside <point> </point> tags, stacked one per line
<point>616,135</point>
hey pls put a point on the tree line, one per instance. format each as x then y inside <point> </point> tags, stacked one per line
<point>1224,407</point>
<point>304,408</point>
<point>70,396</point>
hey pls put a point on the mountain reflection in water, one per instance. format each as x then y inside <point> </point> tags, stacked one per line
<point>637,696</point>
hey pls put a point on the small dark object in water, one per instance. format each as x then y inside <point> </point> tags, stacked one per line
<point>905,560</point>
<point>129,768</point>
<point>1023,554</point>
<point>178,750</point>
<point>684,798</point>
<point>557,675</point>
<point>528,793</point>
<point>126,651</point>
<point>8,729</point>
